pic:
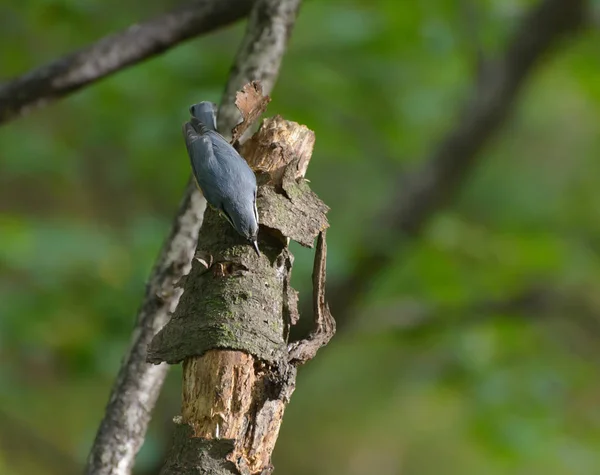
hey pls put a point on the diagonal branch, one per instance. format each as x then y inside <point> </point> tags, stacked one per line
<point>123,428</point>
<point>138,384</point>
<point>116,52</point>
<point>434,185</point>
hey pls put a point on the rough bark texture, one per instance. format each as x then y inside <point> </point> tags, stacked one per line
<point>238,294</point>
<point>233,321</point>
<point>239,298</point>
<point>433,186</point>
<point>116,52</point>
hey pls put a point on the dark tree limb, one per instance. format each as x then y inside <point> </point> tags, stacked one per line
<point>115,52</point>
<point>570,312</point>
<point>435,184</point>
<point>532,303</point>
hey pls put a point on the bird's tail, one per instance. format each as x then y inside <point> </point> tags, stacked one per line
<point>205,112</point>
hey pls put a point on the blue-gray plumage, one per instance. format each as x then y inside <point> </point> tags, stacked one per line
<point>223,176</point>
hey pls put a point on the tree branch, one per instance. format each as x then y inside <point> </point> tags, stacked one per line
<point>434,185</point>
<point>138,384</point>
<point>123,428</point>
<point>115,52</point>
<point>230,329</point>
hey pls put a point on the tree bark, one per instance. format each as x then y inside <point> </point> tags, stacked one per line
<point>232,324</point>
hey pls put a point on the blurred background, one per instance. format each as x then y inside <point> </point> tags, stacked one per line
<point>474,349</point>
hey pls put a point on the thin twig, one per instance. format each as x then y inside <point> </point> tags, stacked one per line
<point>116,52</point>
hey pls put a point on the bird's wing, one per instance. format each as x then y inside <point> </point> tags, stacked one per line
<point>200,150</point>
<point>224,149</point>
<point>225,214</point>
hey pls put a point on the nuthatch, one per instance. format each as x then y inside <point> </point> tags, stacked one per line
<point>223,176</point>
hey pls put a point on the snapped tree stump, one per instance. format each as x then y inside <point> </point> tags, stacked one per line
<point>232,324</point>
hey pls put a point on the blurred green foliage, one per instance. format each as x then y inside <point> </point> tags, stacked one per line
<point>88,187</point>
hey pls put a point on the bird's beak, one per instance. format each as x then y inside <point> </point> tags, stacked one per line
<point>255,246</point>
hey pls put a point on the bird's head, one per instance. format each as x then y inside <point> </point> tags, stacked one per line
<point>205,112</point>
<point>244,220</point>
<point>250,232</point>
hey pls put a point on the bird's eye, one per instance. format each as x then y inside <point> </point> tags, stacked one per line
<point>192,108</point>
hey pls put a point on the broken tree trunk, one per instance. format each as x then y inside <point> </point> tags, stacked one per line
<point>231,327</point>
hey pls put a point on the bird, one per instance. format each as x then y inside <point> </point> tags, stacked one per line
<point>220,172</point>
